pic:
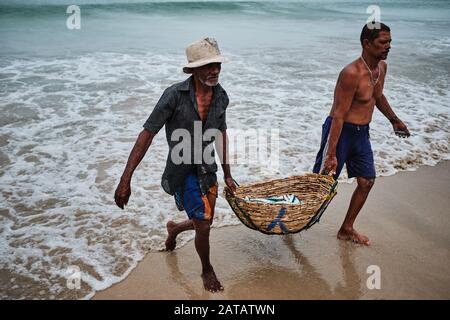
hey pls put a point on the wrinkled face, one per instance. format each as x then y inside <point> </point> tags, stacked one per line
<point>208,74</point>
<point>380,46</point>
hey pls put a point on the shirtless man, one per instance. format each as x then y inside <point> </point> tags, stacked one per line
<point>345,133</point>
<point>197,101</point>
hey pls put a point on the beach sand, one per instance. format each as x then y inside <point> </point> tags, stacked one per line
<point>406,218</point>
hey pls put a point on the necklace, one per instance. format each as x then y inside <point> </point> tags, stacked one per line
<point>374,82</point>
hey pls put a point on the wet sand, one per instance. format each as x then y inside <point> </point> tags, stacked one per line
<point>406,217</point>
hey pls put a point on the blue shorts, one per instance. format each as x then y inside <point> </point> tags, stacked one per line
<point>193,201</point>
<point>353,149</point>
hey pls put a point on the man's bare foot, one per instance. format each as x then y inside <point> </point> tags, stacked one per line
<point>210,281</point>
<point>170,241</point>
<point>352,235</point>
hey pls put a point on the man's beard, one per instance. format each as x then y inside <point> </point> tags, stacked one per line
<point>209,82</point>
<point>383,56</point>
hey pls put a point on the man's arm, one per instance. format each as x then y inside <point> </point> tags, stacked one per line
<point>157,119</point>
<point>224,156</point>
<point>399,127</point>
<point>141,146</point>
<point>344,93</point>
<point>382,104</point>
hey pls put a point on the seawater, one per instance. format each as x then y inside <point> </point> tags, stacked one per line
<point>73,101</point>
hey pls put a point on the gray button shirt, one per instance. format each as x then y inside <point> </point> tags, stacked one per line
<point>177,109</point>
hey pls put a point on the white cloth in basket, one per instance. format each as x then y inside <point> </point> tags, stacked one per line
<point>284,199</point>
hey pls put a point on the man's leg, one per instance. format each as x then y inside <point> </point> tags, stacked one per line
<point>173,229</point>
<point>346,232</point>
<point>202,226</point>
<point>202,229</point>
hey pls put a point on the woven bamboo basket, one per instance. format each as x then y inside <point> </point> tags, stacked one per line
<point>315,192</point>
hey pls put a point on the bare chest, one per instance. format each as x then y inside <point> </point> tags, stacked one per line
<point>368,89</point>
<point>203,104</point>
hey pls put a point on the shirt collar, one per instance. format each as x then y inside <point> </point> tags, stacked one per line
<point>186,84</point>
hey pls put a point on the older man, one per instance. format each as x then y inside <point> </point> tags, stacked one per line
<point>195,105</point>
<point>345,133</point>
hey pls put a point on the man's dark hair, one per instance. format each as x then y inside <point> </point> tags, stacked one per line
<point>372,34</point>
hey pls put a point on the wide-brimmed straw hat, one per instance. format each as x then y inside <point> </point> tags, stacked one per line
<point>201,53</point>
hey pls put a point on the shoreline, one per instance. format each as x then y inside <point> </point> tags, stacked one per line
<point>406,218</point>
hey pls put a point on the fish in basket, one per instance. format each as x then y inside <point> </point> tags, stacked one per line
<point>283,206</point>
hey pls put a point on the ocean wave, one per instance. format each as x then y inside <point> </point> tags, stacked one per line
<point>271,9</point>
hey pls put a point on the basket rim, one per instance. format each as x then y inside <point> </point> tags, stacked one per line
<point>330,179</point>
